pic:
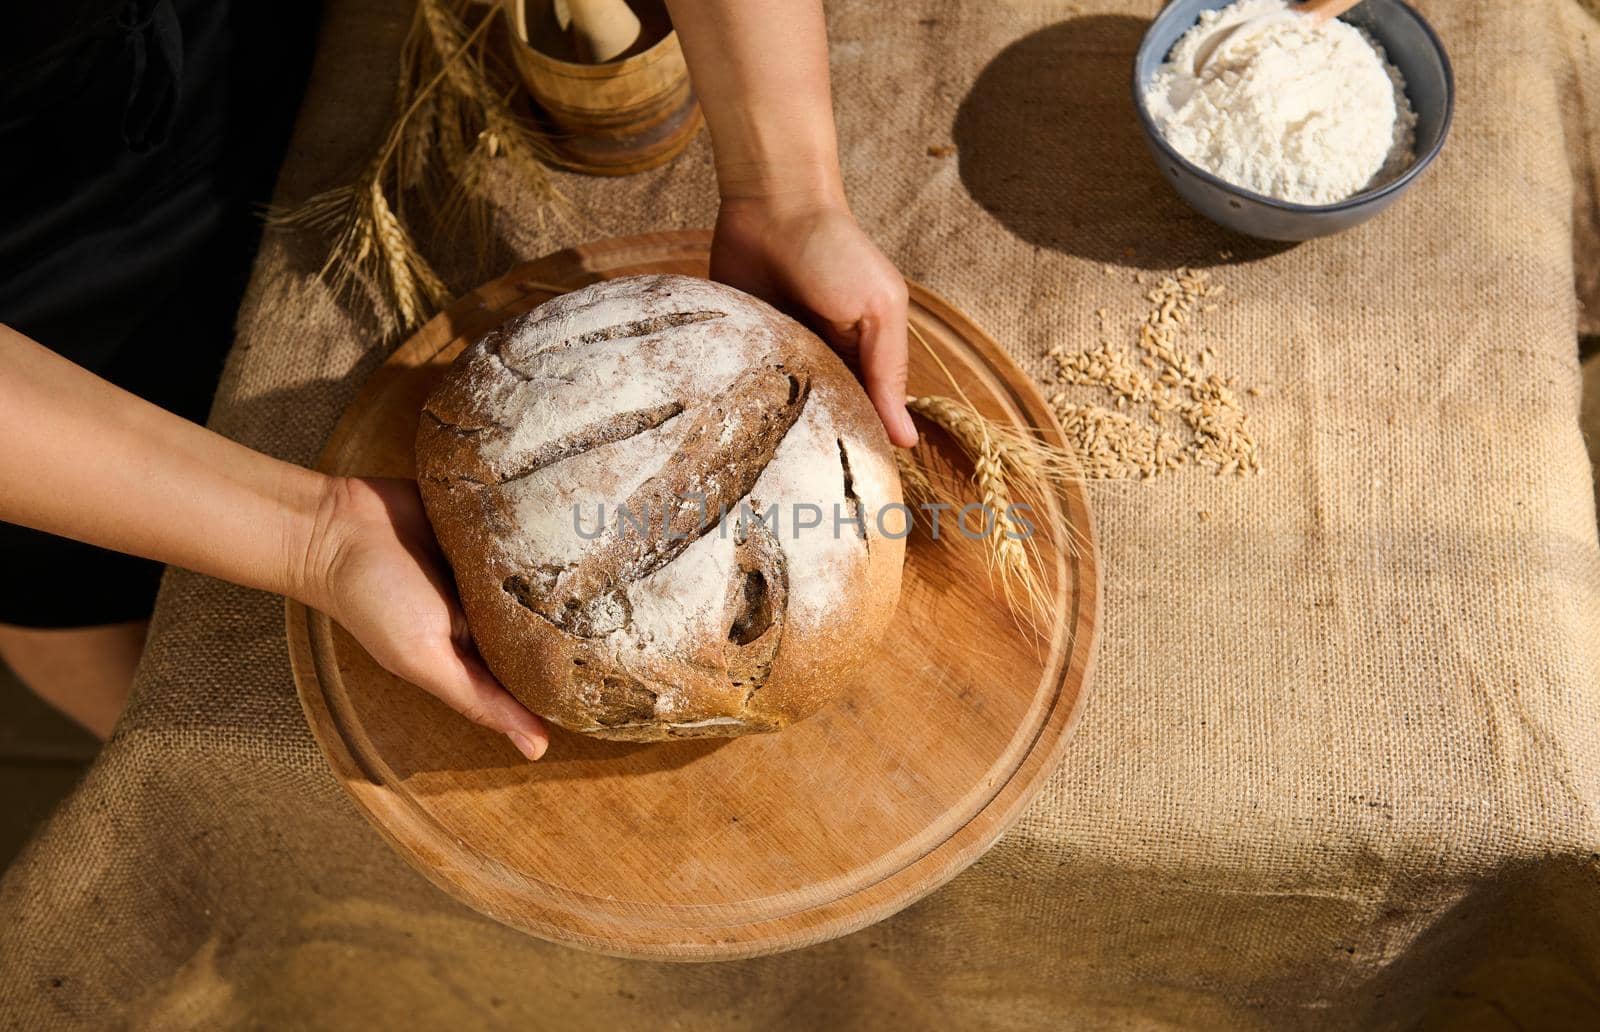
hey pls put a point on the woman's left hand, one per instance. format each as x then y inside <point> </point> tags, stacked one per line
<point>810,258</point>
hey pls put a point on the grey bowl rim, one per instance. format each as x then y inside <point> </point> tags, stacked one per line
<point>1400,182</point>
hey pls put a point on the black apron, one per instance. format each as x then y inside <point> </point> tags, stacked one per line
<point>138,140</point>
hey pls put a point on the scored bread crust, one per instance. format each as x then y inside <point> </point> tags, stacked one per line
<point>643,392</point>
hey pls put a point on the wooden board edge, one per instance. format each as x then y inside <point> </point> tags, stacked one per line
<point>938,866</point>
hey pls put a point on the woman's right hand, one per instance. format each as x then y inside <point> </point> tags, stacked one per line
<point>372,564</point>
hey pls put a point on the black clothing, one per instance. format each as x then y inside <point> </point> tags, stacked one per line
<point>138,141</point>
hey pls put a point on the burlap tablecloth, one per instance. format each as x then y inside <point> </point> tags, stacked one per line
<point>1341,765</point>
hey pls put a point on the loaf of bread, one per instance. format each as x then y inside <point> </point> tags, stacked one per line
<point>671,510</point>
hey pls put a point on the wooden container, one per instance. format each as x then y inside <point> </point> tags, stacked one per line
<point>616,118</point>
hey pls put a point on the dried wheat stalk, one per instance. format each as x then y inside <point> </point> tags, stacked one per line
<point>1010,466</point>
<point>915,483</point>
<point>454,122</point>
<point>474,95</point>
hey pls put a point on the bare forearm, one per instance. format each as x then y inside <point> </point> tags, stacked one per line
<point>760,69</point>
<point>84,459</point>
<point>784,231</point>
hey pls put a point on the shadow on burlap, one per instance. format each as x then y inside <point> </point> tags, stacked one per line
<point>1338,770</point>
<point>1058,197</point>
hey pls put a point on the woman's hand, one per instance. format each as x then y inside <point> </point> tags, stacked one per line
<point>373,566</point>
<point>811,258</point>
<point>85,459</point>
<point>785,234</point>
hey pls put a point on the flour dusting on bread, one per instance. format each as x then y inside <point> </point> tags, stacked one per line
<point>554,436</point>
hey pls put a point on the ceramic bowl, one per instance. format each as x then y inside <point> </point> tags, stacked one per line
<point>1410,45</point>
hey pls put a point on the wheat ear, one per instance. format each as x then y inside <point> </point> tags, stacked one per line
<point>1007,487</point>
<point>1012,468</point>
<point>452,123</point>
<point>482,115</point>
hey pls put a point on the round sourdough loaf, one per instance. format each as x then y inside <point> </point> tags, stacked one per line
<point>594,471</point>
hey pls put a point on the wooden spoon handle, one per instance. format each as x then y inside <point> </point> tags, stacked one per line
<point>1320,11</point>
<point>603,28</point>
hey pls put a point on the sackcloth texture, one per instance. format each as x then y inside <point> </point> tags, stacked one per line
<point>1339,767</point>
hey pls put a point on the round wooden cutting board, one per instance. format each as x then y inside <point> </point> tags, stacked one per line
<point>711,849</point>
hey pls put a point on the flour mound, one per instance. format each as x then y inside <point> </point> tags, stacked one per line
<point>1309,115</point>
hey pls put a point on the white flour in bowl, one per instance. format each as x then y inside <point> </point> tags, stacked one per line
<point>1305,115</point>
